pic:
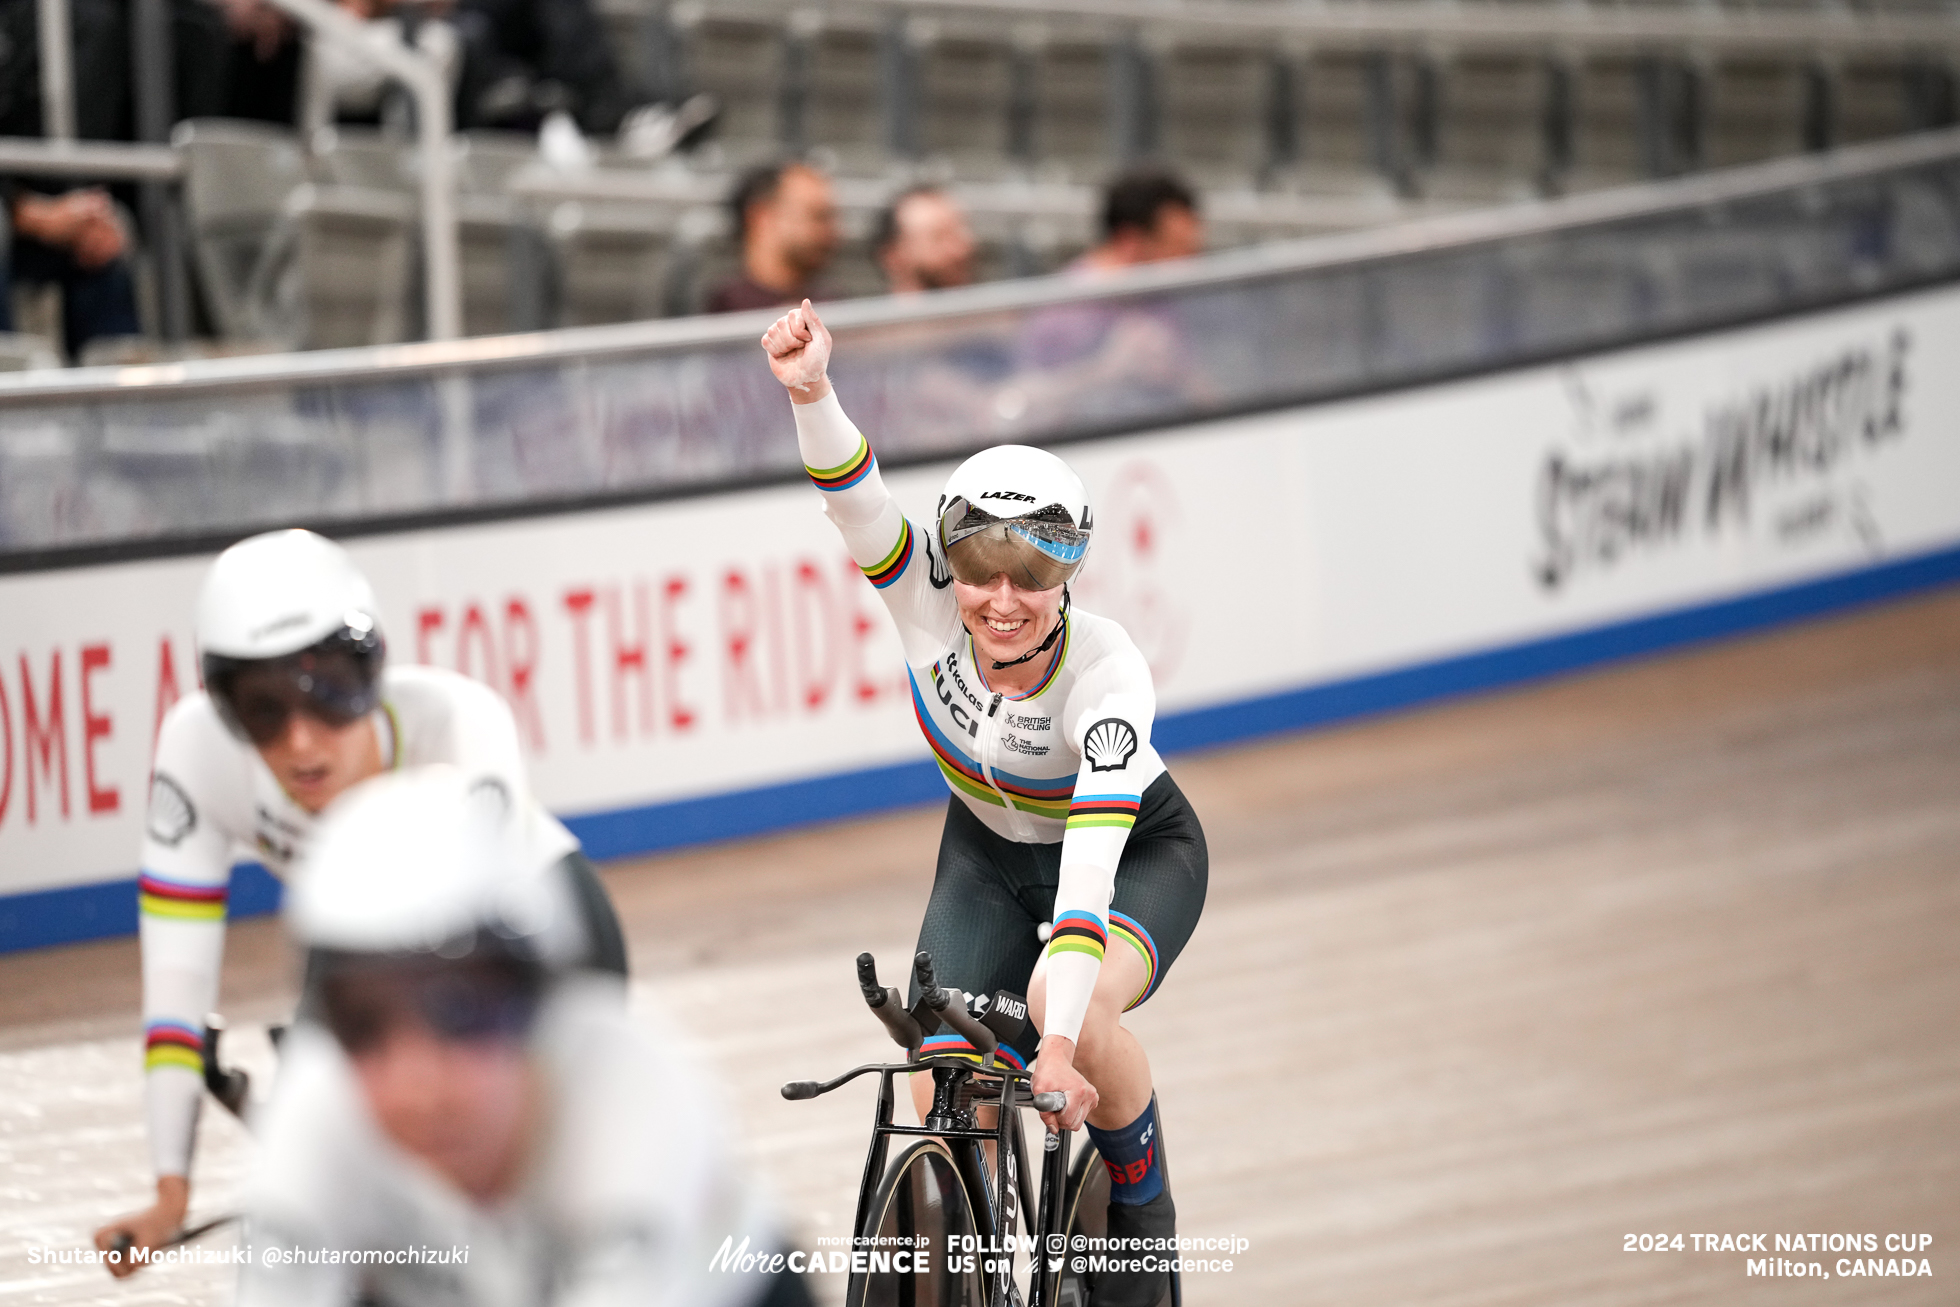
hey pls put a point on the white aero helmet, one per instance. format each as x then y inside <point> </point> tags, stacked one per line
<point>286,622</point>
<point>1018,510</point>
<point>423,861</point>
<point>419,900</point>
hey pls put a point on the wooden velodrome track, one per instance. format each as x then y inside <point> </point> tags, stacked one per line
<point>1479,991</point>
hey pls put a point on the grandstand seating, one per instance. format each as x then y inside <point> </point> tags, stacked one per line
<point>21,351</point>
<point>1025,109</point>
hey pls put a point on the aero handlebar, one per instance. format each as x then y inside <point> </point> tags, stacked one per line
<point>889,1007</point>
<point>953,1013</point>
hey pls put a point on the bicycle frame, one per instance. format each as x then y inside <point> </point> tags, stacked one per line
<point>1000,1198</point>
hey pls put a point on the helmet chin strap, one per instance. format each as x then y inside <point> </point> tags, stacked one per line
<point>1061,620</point>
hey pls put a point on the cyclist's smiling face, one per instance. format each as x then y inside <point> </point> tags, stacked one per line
<point>1006,621</point>
<point>315,762</point>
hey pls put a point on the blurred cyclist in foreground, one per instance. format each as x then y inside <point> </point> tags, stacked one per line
<point>471,1121</point>
<point>297,707</point>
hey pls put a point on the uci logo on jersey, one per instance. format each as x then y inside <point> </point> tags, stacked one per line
<point>961,718</point>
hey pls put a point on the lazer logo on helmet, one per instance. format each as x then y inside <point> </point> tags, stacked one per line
<point>1008,494</point>
<point>287,622</point>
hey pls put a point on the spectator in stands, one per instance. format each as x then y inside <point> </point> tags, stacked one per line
<point>517,62</point>
<point>1113,360</point>
<point>525,59</point>
<point>250,63</point>
<point>923,242</point>
<point>786,229</point>
<point>74,241</point>
<point>72,237</point>
<point>1148,215</point>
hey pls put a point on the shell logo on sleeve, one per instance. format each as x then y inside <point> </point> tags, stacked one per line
<point>1109,744</point>
<point>172,815</point>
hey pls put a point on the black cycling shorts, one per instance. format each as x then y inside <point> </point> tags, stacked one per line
<point>990,894</point>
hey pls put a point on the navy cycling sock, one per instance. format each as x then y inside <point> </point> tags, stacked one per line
<point>1130,1154</point>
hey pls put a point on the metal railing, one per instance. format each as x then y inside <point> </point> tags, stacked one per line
<point>442,279</point>
<point>1584,28</point>
<point>63,156</point>
<point>110,459</point>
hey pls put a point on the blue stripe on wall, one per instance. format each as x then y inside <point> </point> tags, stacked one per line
<point>62,916</point>
<point>78,912</point>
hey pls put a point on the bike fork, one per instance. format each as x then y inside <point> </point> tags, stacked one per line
<point>1051,1240</point>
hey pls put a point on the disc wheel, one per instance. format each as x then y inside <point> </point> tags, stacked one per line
<point>919,1203</point>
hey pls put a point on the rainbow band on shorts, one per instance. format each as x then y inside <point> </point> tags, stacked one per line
<point>892,566</point>
<point>172,1043</point>
<point>158,897</point>
<point>846,474</point>
<point>1131,931</point>
<point>956,1046</point>
<point>1077,932</point>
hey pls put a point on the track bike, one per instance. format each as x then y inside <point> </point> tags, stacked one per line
<point>935,1225</point>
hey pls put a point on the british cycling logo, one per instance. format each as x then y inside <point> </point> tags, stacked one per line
<point>1109,744</point>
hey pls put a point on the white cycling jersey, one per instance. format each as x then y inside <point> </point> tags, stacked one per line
<point>1067,761</point>
<point>212,799</point>
<point>626,1197</point>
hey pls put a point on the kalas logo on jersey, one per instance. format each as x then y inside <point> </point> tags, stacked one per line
<point>1109,744</point>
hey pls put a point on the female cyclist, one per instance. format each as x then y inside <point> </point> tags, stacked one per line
<point>1064,828</point>
<point>298,706</point>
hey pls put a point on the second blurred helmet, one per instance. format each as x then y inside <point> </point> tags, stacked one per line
<point>434,860</point>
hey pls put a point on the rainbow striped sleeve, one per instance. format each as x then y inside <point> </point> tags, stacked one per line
<point>1078,932</point>
<point>158,897</point>
<point>1113,810</point>
<point>846,474</point>
<point>892,566</point>
<point>172,1043</point>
